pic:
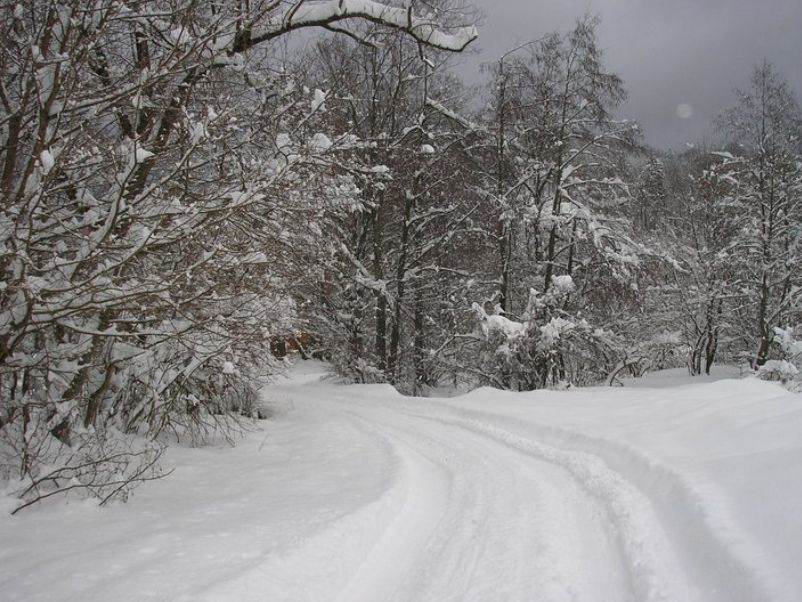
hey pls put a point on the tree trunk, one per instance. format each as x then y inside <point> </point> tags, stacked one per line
<point>418,345</point>
<point>380,296</point>
<point>400,274</point>
<point>550,258</point>
<point>712,335</point>
<point>765,336</point>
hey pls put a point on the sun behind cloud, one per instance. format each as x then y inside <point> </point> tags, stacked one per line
<point>684,110</point>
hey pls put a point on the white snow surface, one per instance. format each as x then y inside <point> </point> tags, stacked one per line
<point>354,493</point>
<point>320,142</point>
<point>318,100</point>
<point>47,161</point>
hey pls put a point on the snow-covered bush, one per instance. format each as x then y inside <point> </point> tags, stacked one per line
<point>359,370</point>
<point>40,459</point>
<point>788,369</point>
<point>548,347</point>
<point>781,370</point>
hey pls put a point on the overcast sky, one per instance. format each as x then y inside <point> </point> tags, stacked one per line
<point>680,59</point>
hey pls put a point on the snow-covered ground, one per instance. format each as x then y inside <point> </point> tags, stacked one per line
<point>685,493</point>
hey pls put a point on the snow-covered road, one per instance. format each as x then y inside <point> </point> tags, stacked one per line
<point>689,493</point>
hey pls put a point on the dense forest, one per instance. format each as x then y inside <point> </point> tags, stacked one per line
<point>188,190</point>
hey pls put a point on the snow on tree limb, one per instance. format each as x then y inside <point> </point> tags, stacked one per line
<point>452,115</point>
<point>324,13</point>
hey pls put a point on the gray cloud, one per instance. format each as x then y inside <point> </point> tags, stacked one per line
<point>669,52</point>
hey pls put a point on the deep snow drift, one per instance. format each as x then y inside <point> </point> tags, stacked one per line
<point>355,493</point>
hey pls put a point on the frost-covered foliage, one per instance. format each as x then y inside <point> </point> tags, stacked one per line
<point>104,464</point>
<point>788,369</point>
<point>163,188</point>
<point>525,195</point>
<point>548,347</point>
<point>675,260</point>
<point>383,277</point>
<point>551,184</point>
<point>724,262</point>
<point>686,278</point>
<point>761,196</point>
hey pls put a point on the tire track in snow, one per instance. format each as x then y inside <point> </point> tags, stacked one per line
<point>509,527</point>
<point>714,553</point>
<point>673,551</point>
<point>319,563</point>
<point>389,560</point>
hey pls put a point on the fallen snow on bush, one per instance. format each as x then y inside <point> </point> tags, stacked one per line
<point>351,493</point>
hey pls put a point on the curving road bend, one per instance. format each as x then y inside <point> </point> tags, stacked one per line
<point>489,507</point>
<point>357,494</point>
